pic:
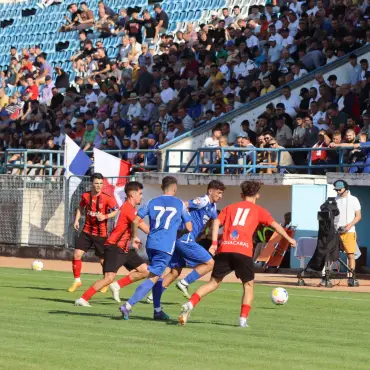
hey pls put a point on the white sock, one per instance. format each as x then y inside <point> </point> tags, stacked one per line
<point>158,309</point>
<point>77,280</point>
<point>128,306</point>
<point>242,320</point>
<point>183,282</point>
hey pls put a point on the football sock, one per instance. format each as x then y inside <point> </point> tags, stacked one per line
<point>193,276</point>
<point>244,311</point>
<point>88,294</point>
<point>76,268</point>
<point>141,291</point>
<point>194,299</point>
<point>124,281</point>
<point>158,289</point>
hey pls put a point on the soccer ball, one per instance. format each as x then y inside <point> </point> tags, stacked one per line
<point>37,265</point>
<point>279,296</point>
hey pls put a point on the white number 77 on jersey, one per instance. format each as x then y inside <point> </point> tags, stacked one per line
<point>241,216</point>
<point>162,210</point>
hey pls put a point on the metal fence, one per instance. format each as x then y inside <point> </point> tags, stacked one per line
<point>32,212</point>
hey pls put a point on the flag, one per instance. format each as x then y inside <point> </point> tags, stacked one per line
<point>76,163</point>
<point>115,172</point>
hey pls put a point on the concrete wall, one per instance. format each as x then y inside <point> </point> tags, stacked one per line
<point>197,138</point>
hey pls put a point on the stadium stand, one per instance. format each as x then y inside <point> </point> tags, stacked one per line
<point>133,75</point>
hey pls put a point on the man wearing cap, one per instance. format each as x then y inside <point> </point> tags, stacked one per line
<point>349,215</point>
<point>274,50</point>
<point>134,110</point>
<point>214,18</point>
<point>162,21</point>
<point>89,135</point>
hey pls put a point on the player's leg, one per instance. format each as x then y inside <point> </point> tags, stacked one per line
<point>158,263</point>
<point>222,267</point>
<point>83,244</point>
<point>248,296</point>
<point>138,269</point>
<point>197,257</point>
<point>113,260</point>
<point>99,252</point>
<point>176,265</point>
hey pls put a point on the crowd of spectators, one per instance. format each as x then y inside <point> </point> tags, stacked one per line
<point>160,85</point>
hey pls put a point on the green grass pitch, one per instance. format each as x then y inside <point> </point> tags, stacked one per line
<point>41,329</point>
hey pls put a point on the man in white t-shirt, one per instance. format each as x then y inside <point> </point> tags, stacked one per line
<point>349,215</point>
<point>211,142</point>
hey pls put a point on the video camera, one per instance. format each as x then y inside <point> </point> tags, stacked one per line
<point>328,210</point>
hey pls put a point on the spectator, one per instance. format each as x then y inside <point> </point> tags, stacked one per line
<point>291,101</point>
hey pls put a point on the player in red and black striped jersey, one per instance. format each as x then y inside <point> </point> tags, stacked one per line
<point>117,250</point>
<point>98,208</point>
<point>235,251</point>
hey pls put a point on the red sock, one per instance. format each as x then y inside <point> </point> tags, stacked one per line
<point>194,299</point>
<point>88,294</point>
<point>76,268</point>
<point>124,281</point>
<point>244,311</point>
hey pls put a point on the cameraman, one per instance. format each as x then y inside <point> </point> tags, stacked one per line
<point>350,213</point>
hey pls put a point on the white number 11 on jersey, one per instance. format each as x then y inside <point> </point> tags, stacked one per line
<point>241,216</point>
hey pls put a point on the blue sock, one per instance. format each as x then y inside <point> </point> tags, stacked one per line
<point>158,289</point>
<point>193,276</point>
<point>141,291</point>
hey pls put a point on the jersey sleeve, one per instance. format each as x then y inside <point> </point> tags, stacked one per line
<point>112,204</point>
<point>83,201</point>
<point>265,217</point>
<point>198,203</point>
<point>222,216</point>
<point>185,214</point>
<point>143,211</point>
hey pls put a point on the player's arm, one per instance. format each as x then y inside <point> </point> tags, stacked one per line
<point>187,219</point>
<point>143,211</point>
<point>78,217</point>
<point>280,230</point>
<point>215,229</point>
<point>354,221</point>
<point>197,203</point>
<point>112,211</point>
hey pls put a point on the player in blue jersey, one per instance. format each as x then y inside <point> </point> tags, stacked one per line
<point>187,250</point>
<point>166,214</point>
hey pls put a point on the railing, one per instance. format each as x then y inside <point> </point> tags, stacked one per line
<point>53,160</point>
<point>249,164</point>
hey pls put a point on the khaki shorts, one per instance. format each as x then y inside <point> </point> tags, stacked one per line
<point>349,242</point>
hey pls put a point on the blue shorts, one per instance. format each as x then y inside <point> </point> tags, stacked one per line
<point>191,254</point>
<point>159,261</point>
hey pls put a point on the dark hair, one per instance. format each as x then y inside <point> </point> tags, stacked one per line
<point>168,181</point>
<point>217,185</point>
<point>216,128</point>
<point>133,186</point>
<point>250,188</point>
<point>97,176</point>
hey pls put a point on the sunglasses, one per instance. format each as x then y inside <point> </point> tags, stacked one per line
<point>272,144</point>
<point>337,190</point>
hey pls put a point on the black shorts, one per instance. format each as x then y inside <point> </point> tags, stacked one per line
<point>86,241</point>
<point>239,263</point>
<point>115,257</point>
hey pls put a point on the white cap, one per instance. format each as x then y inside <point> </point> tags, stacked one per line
<point>214,13</point>
<point>272,38</point>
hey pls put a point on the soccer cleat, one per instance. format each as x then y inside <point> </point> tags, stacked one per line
<point>353,282</point>
<point>104,289</point>
<point>149,299</point>
<point>185,313</point>
<point>115,288</point>
<point>82,302</point>
<point>125,312</point>
<point>183,288</point>
<point>160,316</point>
<point>243,323</point>
<point>74,286</point>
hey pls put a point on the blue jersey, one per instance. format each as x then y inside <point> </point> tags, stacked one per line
<point>165,216</point>
<point>201,210</point>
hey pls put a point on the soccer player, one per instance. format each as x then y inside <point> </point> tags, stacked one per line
<point>117,251</point>
<point>165,216</point>
<point>99,207</point>
<point>235,250</point>
<point>187,250</point>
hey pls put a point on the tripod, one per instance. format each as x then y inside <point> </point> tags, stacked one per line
<point>328,272</point>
